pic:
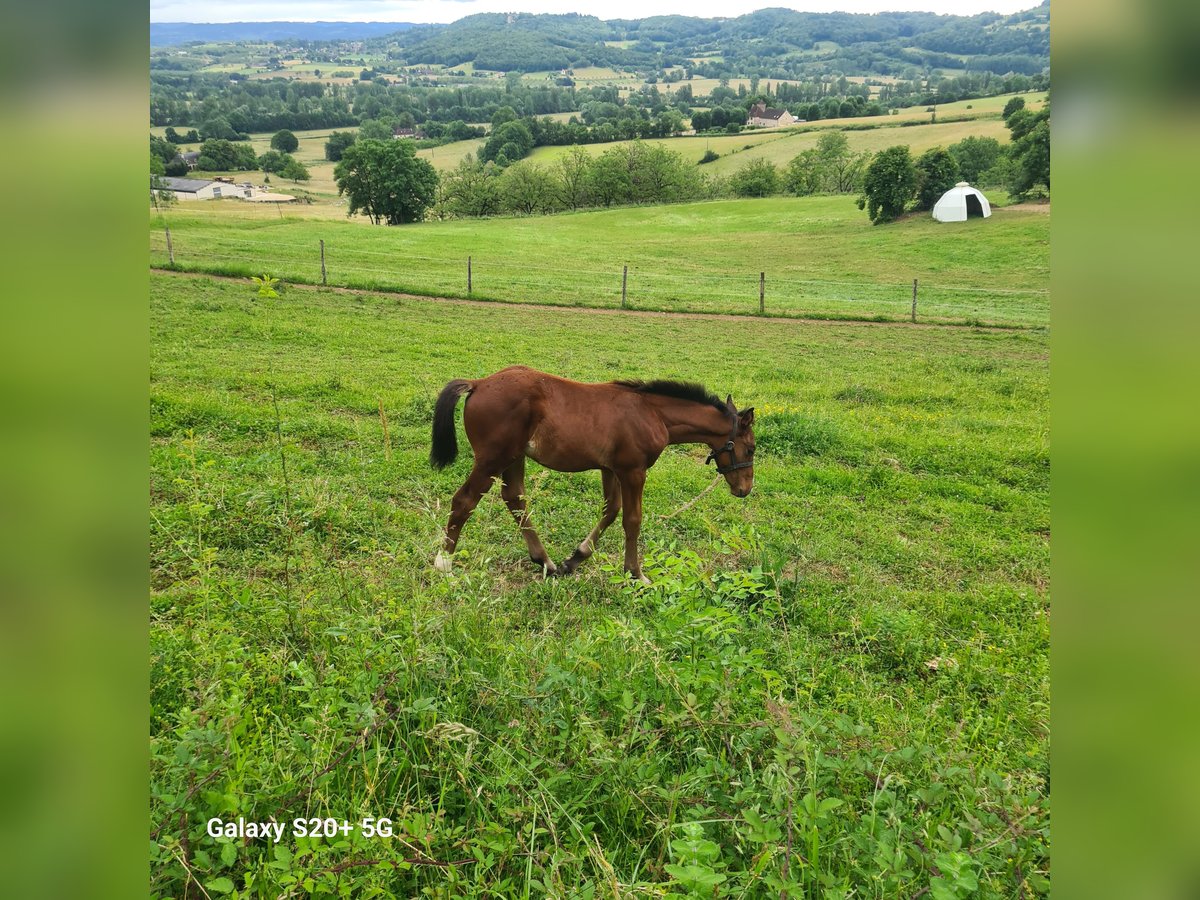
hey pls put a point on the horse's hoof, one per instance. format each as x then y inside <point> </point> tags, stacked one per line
<point>548,568</point>
<point>443,563</point>
<point>564,569</point>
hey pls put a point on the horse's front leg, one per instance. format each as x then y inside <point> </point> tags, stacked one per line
<point>608,515</point>
<point>632,483</point>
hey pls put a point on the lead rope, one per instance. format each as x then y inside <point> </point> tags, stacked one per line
<point>693,501</point>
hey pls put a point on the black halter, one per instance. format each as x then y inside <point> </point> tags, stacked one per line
<point>728,448</point>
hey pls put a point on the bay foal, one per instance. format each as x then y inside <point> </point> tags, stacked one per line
<point>619,427</point>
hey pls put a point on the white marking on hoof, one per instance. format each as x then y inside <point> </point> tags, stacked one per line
<point>584,549</point>
<point>443,563</point>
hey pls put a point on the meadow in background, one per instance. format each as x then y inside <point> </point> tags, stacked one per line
<point>839,685</point>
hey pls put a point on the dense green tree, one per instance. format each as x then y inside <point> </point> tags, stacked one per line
<point>162,149</point>
<point>1020,123</point>
<point>572,177</point>
<point>608,180</point>
<point>502,116</point>
<point>156,165</point>
<point>1029,153</point>
<point>1031,158</point>
<point>386,181</point>
<point>284,141</point>
<point>337,143</point>
<point>471,189</point>
<point>659,175</point>
<point>513,140</point>
<point>937,172</point>
<point>1012,106</point>
<point>218,128</point>
<point>177,168</point>
<point>842,168</point>
<point>377,129</point>
<point>975,155</point>
<point>527,188</point>
<point>295,171</point>
<point>889,184</point>
<point>1000,174</point>
<point>758,178</point>
<point>274,161</point>
<point>192,137</point>
<point>219,155</point>
<point>805,174</point>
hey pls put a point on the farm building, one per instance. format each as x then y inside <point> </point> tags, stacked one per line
<point>960,203</point>
<point>415,134</point>
<point>763,116</point>
<point>186,189</point>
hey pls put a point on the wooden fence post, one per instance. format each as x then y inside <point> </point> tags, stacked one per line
<point>624,279</point>
<point>170,250</point>
<point>914,308</point>
<point>322,261</point>
<point>762,292</point>
<point>468,274</point>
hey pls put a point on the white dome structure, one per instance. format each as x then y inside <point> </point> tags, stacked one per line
<point>961,202</point>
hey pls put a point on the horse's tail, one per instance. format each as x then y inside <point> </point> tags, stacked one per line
<point>445,442</point>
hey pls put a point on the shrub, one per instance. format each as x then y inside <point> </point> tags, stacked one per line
<point>889,184</point>
<point>937,172</point>
<point>758,178</point>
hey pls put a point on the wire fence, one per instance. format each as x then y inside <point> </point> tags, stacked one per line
<point>683,286</point>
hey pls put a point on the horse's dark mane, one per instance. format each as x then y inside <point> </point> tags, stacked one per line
<point>681,390</point>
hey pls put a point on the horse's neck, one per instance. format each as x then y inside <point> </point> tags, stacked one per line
<point>688,422</point>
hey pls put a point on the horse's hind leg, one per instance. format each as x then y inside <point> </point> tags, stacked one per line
<point>466,498</point>
<point>612,505</point>
<point>512,489</point>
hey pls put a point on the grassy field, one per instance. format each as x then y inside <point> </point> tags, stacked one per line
<point>821,255</point>
<point>780,145</point>
<point>918,138</point>
<point>837,687</point>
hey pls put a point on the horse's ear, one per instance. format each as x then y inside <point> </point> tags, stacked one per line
<point>746,417</point>
<point>729,402</point>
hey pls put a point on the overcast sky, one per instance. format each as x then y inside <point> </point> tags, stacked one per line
<point>449,10</point>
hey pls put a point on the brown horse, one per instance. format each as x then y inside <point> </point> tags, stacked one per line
<point>619,427</point>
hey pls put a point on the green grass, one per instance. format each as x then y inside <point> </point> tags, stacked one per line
<point>821,255</point>
<point>836,687</point>
<point>780,147</point>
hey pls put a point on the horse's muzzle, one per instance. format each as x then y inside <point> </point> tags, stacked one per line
<point>741,492</point>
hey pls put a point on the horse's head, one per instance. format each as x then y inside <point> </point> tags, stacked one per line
<point>735,458</point>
